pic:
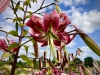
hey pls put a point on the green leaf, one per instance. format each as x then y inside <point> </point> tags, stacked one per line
<point>27,1</point>
<point>24,3</point>
<point>13,45</point>
<point>33,54</point>
<point>16,26</point>
<point>13,33</point>
<point>26,48</point>
<point>21,8</point>
<point>30,12</point>
<point>2,64</point>
<point>57,8</point>
<point>17,19</point>
<point>25,58</point>
<point>21,24</point>
<point>5,55</point>
<point>27,16</point>
<point>25,32</point>
<point>17,5</point>
<point>29,5</point>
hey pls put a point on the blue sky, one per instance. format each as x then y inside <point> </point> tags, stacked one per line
<point>85,14</point>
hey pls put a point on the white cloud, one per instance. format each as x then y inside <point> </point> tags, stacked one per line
<point>87,21</point>
<point>71,44</point>
<point>74,2</point>
<point>87,52</point>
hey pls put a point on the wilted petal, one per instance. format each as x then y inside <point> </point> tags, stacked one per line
<point>3,5</point>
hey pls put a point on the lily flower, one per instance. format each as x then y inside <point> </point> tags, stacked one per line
<point>3,44</point>
<point>51,25</point>
<point>50,29</point>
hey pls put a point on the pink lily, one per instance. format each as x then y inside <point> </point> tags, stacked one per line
<point>53,24</point>
<point>3,44</point>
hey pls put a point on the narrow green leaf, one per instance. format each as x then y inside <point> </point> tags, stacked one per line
<point>13,33</point>
<point>29,5</point>
<point>5,55</point>
<point>33,54</point>
<point>26,48</point>
<point>21,8</point>
<point>17,5</point>
<point>25,58</point>
<point>13,45</point>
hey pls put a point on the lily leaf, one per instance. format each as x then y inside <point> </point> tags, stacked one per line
<point>13,33</point>
<point>13,45</point>
<point>25,58</point>
<point>25,32</point>
<point>5,55</point>
<point>26,48</point>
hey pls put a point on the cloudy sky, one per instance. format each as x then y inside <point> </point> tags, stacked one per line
<point>85,14</point>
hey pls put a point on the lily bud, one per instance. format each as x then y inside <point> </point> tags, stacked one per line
<point>90,43</point>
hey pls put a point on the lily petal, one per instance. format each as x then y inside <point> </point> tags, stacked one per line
<point>64,22</point>
<point>36,36</point>
<point>3,5</point>
<point>3,44</point>
<point>46,22</point>
<point>35,24</point>
<point>55,20</point>
<point>67,39</point>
